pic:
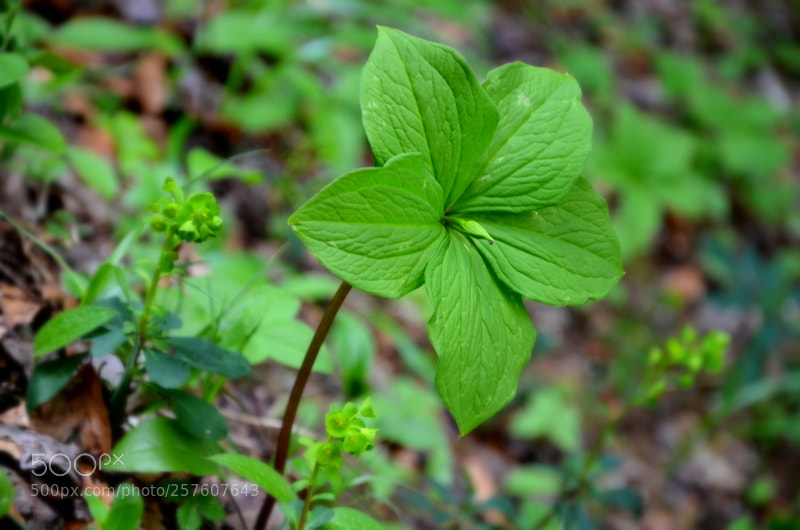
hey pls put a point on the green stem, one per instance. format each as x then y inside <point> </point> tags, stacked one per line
<point>285,435</point>
<point>309,496</point>
<point>12,14</point>
<point>120,396</point>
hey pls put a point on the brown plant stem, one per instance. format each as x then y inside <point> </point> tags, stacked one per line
<point>282,449</point>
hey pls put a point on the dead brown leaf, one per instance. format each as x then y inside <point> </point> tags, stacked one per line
<point>151,83</point>
<point>78,410</point>
<point>16,306</point>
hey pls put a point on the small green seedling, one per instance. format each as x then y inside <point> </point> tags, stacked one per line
<point>347,433</point>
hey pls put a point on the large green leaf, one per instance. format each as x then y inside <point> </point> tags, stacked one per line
<point>34,129</point>
<point>159,444</point>
<point>376,228</point>
<point>421,97</point>
<point>69,326</point>
<point>541,143</point>
<point>259,473</point>
<point>13,67</point>
<point>481,331</point>
<point>565,254</point>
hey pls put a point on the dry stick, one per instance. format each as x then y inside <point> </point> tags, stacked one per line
<point>282,449</point>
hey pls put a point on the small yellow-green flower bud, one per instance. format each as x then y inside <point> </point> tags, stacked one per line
<point>158,223</point>
<point>337,424</point>
<point>170,210</point>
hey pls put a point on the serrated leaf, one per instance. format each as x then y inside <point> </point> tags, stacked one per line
<point>422,97</point>
<point>376,228</point>
<point>259,473</point>
<point>34,129</point>
<point>159,444</point>
<point>345,518</point>
<point>540,145</point>
<point>13,67</point>
<point>95,171</point>
<point>564,254</point>
<point>481,331</point>
<point>69,326</point>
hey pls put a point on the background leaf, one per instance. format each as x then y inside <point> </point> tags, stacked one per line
<point>345,518</point>
<point>36,130</point>
<point>49,378</point>
<point>95,171</point>
<point>259,473</point>
<point>159,444</point>
<point>13,67</point>
<point>126,509</point>
<point>166,370</point>
<point>205,355</point>
<point>69,326</point>
<point>6,493</point>
<point>197,416</point>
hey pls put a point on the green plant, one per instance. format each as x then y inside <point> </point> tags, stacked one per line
<point>132,329</point>
<point>652,167</point>
<point>564,494</point>
<point>18,127</point>
<point>478,196</point>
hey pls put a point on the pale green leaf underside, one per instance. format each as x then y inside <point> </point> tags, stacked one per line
<point>481,331</point>
<point>376,228</point>
<point>421,97</point>
<point>540,145</point>
<point>564,254</point>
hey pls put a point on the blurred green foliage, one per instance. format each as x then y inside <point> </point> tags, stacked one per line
<point>696,141</point>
